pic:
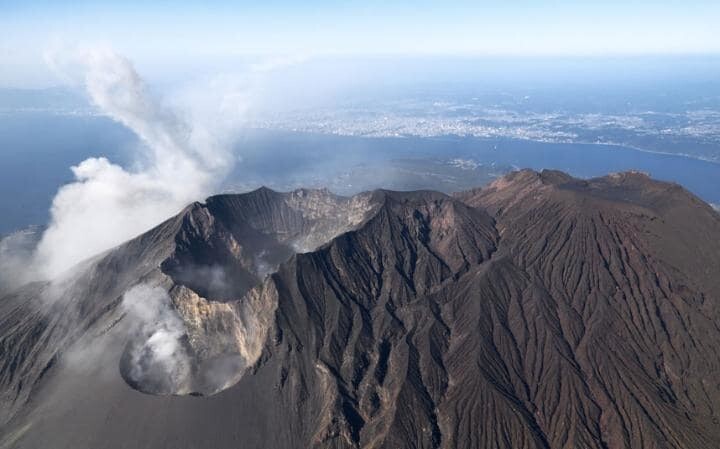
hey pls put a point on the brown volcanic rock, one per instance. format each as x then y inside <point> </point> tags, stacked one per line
<point>625,272</point>
<point>540,312</point>
<point>376,350</point>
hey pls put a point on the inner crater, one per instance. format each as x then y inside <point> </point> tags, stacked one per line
<point>184,344</point>
<point>198,333</point>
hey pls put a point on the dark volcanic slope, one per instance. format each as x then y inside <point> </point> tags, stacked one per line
<point>219,250</point>
<point>540,312</point>
<point>614,313</point>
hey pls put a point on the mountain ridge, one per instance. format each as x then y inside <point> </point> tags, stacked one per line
<point>540,311</point>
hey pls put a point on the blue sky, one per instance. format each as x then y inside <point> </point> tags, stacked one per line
<point>169,34</point>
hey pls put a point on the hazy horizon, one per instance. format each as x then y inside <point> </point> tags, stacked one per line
<point>164,37</point>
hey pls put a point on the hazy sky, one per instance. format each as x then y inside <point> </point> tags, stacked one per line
<point>173,35</point>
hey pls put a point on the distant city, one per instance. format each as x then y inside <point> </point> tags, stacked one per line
<point>690,127</point>
<point>694,133</point>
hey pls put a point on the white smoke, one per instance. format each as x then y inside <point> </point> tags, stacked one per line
<point>16,253</point>
<point>262,266</point>
<point>157,360</point>
<point>183,161</point>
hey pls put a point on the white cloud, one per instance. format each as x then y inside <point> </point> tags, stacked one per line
<point>183,160</point>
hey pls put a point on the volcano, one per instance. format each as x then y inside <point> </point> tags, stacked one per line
<point>540,311</point>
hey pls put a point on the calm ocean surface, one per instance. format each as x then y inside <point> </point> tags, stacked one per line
<point>36,151</point>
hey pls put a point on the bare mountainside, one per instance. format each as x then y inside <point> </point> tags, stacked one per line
<point>539,312</point>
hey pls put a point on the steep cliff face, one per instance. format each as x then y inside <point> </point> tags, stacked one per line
<point>540,312</point>
<point>226,246</point>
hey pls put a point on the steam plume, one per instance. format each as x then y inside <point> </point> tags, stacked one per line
<point>157,360</point>
<point>183,161</point>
